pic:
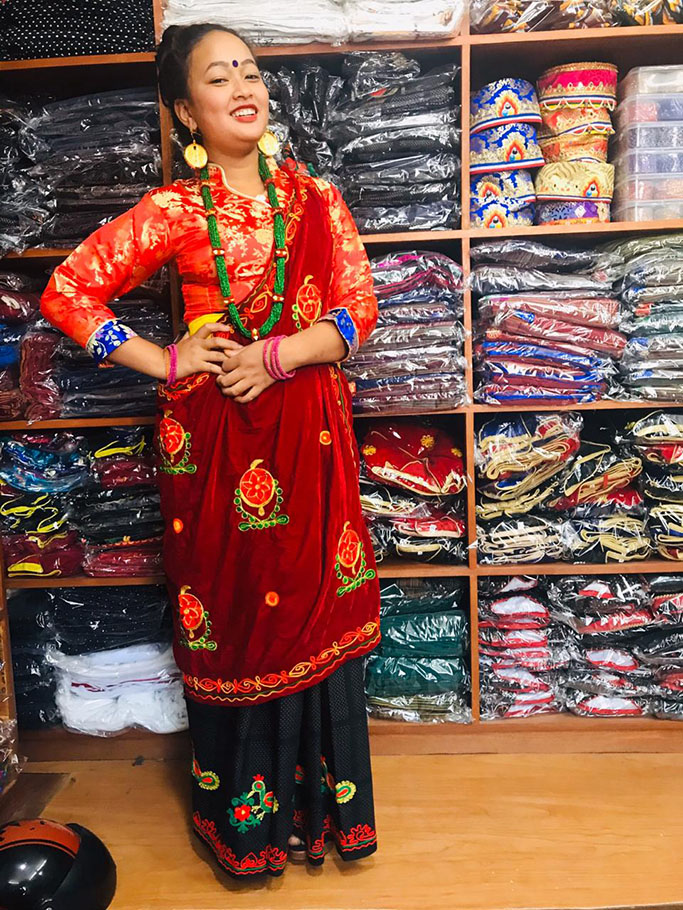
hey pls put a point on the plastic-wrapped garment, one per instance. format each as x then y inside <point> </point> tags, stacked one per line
<point>415,457</point>
<point>116,560</point>
<point>387,677</point>
<point>530,254</point>
<point>381,537</point>
<point>448,707</point>
<point>513,611</point>
<point>118,441</point>
<point>663,483</point>
<point>376,75</point>
<point>636,294</point>
<point>427,216</point>
<point>409,596</point>
<point>393,113</point>
<point>669,681</point>
<point>397,195</point>
<point>546,328</point>
<point>530,539</point>
<point>626,250</point>
<point>543,355</point>
<point>408,335</point>
<point>524,442</point>
<point>390,144</point>
<point>519,494</point>
<point>111,691</point>
<point>409,392</point>
<point>607,706</point>
<point>49,29</point>
<point>36,378</point>
<point>656,428</point>
<point>600,312</point>
<point>125,472</point>
<point>382,501</point>
<point>58,554</point>
<point>657,321</point>
<point>403,20</point>
<point>617,538</point>
<point>425,635</point>
<point>440,521</point>
<point>103,618</point>
<point>511,678</point>
<point>445,550</point>
<point>414,169</point>
<point>39,513</point>
<point>596,471</point>
<point>502,704</point>
<point>487,16</point>
<point>612,593</point>
<point>667,609</point>
<point>587,624</point>
<point>508,279</point>
<point>660,649</point>
<point>398,273</point>
<point>49,480</point>
<point>512,374</point>
<point>667,709</point>
<point>441,359</point>
<point>665,524</point>
<point>16,306</point>
<point>654,269</point>
<point>117,515</point>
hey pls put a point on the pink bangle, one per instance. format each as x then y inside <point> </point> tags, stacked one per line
<point>271,359</point>
<point>173,364</point>
<point>276,359</point>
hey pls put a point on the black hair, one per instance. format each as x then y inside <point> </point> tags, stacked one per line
<point>173,61</point>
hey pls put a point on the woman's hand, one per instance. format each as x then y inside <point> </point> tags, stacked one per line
<point>203,352</point>
<point>244,376</point>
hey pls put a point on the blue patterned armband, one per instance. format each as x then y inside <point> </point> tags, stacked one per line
<point>107,338</point>
<point>342,319</point>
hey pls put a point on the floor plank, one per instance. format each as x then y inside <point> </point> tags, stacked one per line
<point>474,832</point>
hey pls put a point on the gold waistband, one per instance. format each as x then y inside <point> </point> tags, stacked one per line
<point>202,320</point>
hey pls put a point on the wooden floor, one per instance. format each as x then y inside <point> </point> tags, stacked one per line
<point>456,831</point>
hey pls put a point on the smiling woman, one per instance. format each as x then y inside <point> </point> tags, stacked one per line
<point>269,564</point>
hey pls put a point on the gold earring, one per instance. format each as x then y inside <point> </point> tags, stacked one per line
<point>195,154</point>
<point>269,144</point>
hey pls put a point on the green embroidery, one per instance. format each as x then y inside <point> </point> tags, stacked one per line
<point>207,780</point>
<point>173,440</point>
<point>343,792</point>
<point>195,621</point>
<point>351,554</point>
<point>251,808</point>
<point>257,489</point>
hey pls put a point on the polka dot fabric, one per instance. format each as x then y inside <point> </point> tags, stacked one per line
<point>31,29</point>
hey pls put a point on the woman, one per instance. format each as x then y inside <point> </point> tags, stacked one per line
<point>270,568</point>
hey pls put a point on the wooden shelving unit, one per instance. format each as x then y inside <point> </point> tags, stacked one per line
<point>482,58</point>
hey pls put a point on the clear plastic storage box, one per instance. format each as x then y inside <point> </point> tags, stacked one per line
<point>644,162</point>
<point>648,211</point>
<point>648,80</point>
<point>648,109</point>
<point>658,188</point>
<point>651,136</point>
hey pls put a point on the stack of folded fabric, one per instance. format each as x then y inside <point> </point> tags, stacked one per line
<point>118,517</point>
<point>86,389</point>
<point>650,145</point>
<point>47,28</point>
<point>107,692</point>
<point>411,480</point>
<point>325,21</point>
<point>504,116</point>
<point>657,439</point>
<point>33,632</point>
<point>414,358</point>
<point>97,155</point>
<point>662,651</point>
<point>396,135</point>
<point>651,290</point>
<point>489,16</point>
<point>18,308</point>
<point>420,672</point>
<point>576,185</point>
<point>547,327</point>
<point>25,201</point>
<point>522,652</point>
<point>518,463</point>
<point>606,618</point>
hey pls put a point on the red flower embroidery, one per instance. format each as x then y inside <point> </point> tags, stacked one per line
<point>242,813</point>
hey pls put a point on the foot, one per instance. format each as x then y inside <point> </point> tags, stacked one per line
<point>295,842</point>
<point>297,849</point>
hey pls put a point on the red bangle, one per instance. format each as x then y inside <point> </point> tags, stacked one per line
<point>283,374</point>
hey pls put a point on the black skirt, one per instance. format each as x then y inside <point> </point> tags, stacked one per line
<point>299,765</point>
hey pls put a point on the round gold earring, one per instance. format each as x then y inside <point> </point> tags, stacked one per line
<point>269,144</point>
<point>195,154</point>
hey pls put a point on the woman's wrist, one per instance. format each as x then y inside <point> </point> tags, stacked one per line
<point>290,353</point>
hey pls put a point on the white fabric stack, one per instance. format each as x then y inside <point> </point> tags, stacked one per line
<point>108,692</point>
<point>325,21</point>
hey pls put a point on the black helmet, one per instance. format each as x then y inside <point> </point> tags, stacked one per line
<point>48,866</point>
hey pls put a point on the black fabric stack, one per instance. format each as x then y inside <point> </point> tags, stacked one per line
<point>32,29</point>
<point>97,154</point>
<point>32,630</point>
<point>396,136</point>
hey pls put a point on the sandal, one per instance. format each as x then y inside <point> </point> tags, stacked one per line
<point>297,852</point>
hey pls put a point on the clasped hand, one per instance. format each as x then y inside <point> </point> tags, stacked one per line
<point>239,369</point>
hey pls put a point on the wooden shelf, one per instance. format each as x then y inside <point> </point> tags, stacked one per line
<point>608,230</point>
<point>413,237</point>
<point>86,60</point>
<point>317,49</point>
<point>587,36</point>
<point>404,568</point>
<point>40,253</point>
<point>65,423</point>
<point>82,581</point>
<point>602,405</point>
<point>641,567</point>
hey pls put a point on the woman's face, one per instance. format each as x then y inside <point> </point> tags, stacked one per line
<point>228,100</point>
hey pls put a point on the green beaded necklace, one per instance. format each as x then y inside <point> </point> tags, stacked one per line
<point>219,253</point>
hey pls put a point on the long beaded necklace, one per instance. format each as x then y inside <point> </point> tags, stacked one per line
<point>219,253</point>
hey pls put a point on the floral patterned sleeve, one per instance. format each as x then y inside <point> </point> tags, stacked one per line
<point>110,262</point>
<point>354,305</point>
